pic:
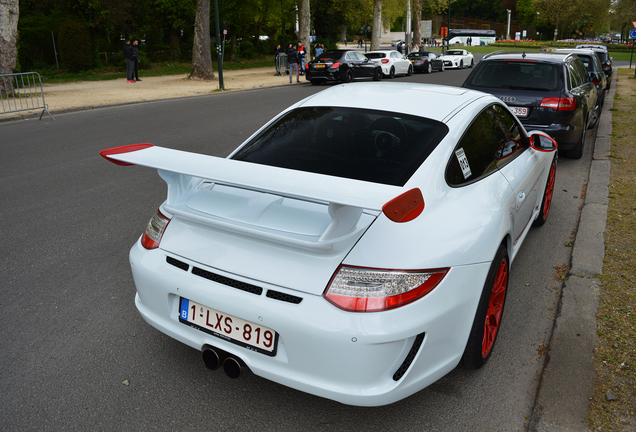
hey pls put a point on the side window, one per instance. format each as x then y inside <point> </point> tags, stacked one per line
<point>492,140</point>
<point>360,57</point>
<point>432,56</point>
<point>350,56</point>
<point>574,75</point>
<point>581,68</point>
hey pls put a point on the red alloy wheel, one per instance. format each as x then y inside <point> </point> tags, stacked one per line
<point>495,308</point>
<point>547,199</point>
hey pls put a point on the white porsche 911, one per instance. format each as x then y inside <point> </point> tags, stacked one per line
<point>357,247</point>
<point>458,58</point>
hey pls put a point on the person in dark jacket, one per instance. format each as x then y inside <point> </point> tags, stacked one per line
<point>130,61</point>
<point>135,50</point>
<point>292,60</point>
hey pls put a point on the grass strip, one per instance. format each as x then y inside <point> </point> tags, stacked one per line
<point>613,404</point>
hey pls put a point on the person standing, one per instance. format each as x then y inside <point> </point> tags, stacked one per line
<point>135,50</point>
<point>292,60</point>
<point>319,50</point>
<point>301,57</point>
<point>130,61</point>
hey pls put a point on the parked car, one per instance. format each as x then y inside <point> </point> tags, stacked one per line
<point>397,42</point>
<point>357,247</point>
<point>594,70</point>
<point>603,55</point>
<point>551,92</point>
<point>343,66</point>
<point>458,58</point>
<point>392,63</point>
<point>426,62</point>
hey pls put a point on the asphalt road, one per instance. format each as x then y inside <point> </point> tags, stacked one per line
<point>75,353</point>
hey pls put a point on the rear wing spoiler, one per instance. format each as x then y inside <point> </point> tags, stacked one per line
<point>183,171</point>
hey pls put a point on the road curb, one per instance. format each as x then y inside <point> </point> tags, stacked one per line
<point>566,383</point>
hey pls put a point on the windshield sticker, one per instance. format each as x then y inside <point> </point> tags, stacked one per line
<point>463,162</point>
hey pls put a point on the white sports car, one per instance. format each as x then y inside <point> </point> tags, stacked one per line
<point>357,247</point>
<point>392,62</point>
<point>458,58</point>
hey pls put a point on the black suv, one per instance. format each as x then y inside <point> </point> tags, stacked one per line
<point>550,92</point>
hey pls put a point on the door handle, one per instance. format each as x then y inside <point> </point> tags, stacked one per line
<point>520,198</point>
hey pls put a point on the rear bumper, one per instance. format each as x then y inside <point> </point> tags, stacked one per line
<point>348,357</point>
<point>566,136</point>
<point>322,75</point>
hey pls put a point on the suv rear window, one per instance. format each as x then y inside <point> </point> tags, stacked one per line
<point>521,75</point>
<point>360,144</point>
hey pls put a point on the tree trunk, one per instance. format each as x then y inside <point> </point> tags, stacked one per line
<point>9,12</point>
<point>304,16</point>
<point>233,47</point>
<point>417,22</point>
<point>175,48</point>
<point>376,33</point>
<point>201,49</point>
<point>343,32</point>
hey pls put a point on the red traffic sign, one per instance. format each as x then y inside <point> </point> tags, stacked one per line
<point>634,24</point>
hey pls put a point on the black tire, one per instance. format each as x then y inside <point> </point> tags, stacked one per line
<point>577,151</point>
<point>315,82</point>
<point>597,115</point>
<point>546,201</point>
<point>377,75</point>
<point>461,64</point>
<point>410,71</point>
<point>347,76</point>
<point>392,72</point>
<point>490,309</point>
<point>429,68</point>
<point>441,69</point>
<point>472,62</point>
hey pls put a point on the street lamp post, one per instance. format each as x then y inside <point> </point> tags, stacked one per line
<point>508,33</point>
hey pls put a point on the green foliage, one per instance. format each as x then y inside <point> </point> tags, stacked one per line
<point>75,46</point>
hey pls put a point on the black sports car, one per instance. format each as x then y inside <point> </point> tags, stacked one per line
<point>343,66</point>
<point>426,62</point>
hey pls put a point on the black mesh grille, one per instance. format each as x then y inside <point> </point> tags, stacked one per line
<point>227,281</point>
<point>283,297</point>
<point>177,263</point>
<point>409,358</point>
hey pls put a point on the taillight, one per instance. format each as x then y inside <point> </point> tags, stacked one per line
<point>597,82</point>
<point>385,61</point>
<point>559,104</point>
<point>405,207</point>
<point>154,231</point>
<point>358,289</point>
<point>335,65</point>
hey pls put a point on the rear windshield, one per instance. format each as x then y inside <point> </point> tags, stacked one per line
<point>330,55</point>
<point>519,75</point>
<point>602,55</point>
<point>418,54</point>
<point>375,55</point>
<point>587,62</point>
<point>374,146</point>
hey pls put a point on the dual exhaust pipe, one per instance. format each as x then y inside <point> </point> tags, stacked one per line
<point>214,359</point>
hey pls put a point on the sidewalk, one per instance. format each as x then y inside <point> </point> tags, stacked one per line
<point>566,385</point>
<point>87,95</point>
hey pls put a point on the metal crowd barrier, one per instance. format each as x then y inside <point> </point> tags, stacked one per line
<point>22,92</point>
<point>282,65</point>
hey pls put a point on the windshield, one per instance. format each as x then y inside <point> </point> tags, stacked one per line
<point>454,53</point>
<point>359,144</point>
<point>516,75</point>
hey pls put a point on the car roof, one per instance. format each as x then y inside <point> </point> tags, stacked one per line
<point>382,51</point>
<point>592,46</point>
<point>551,56</point>
<point>401,98</point>
<point>584,51</point>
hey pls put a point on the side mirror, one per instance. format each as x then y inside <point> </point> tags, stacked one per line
<point>542,143</point>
